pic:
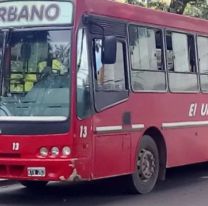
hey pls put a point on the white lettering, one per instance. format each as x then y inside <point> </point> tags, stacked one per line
<point>204,108</point>
<point>35,13</point>
<point>83,131</point>
<point>192,110</point>
<point>15,146</point>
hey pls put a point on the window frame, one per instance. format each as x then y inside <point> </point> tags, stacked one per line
<point>39,127</point>
<point>163,58</point>
<point>116,97</point>
<point>196,62</point>
<point>81,27</point>
<point>124,64</point>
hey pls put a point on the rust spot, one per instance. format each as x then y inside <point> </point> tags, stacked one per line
<point>73,177</point>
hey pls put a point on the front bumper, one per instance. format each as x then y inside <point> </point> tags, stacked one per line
<point>55,169</point>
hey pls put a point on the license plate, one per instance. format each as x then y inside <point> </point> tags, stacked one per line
<point>36,172</point>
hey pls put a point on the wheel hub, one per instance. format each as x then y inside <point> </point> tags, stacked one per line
<point>146,164</point>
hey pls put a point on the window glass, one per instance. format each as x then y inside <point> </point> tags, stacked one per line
<point>183,82</point>
<point>37,68</point>
<point>83,87</point>
<point>180,52</point>
<point>203,54</point>
<point>148,80</point>
<point>202,44</point>
<point>169,52</point>
<point>32,54</point>
<point>181,62</point>
<point>146,49</point>
<point>109,76</point>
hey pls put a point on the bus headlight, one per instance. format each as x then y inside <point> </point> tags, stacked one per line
<point>55,151</point>
<point>66,151</point>
<point>43,151</point>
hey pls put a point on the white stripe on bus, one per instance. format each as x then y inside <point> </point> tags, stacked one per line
<point>184,124</point>
<point>109,128</point>
<point>118,128</point>
<point>34,118</point>
<point>137,126</point>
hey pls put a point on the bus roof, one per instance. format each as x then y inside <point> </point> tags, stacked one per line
<point>142,15</point>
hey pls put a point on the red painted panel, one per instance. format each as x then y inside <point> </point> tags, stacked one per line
<point>112,155</point>
<point>143,15</point>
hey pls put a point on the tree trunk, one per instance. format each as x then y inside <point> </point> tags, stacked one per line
<point>178,6</point>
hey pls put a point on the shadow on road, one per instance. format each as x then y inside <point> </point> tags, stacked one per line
<point>105,192</point>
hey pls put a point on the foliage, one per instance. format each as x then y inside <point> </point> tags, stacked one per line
<point>197,8</point>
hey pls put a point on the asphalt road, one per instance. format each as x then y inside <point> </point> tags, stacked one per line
<point>186,186</point>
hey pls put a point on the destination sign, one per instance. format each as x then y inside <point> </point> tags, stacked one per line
<point>35,13</point>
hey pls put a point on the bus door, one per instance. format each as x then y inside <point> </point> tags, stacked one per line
<point>111,139</point>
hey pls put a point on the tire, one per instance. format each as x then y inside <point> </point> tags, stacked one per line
<point>32,185</point>
<point>147,167</point>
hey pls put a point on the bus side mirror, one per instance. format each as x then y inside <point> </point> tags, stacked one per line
<point>109,49</point>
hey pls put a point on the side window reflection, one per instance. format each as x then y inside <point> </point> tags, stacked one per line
<point>109,77</point>
<point>83,88</point>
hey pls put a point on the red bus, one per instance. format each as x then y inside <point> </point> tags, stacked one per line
<point>95,90</point>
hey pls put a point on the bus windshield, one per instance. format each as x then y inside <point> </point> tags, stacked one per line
<point>35,68</point>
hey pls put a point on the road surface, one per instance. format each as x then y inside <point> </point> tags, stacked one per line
<point>186,186</point>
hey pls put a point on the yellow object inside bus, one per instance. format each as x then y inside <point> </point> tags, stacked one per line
<point>20,82</point>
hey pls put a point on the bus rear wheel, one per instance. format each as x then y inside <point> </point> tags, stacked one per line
<point>34,184</point>
<point>147,167</point>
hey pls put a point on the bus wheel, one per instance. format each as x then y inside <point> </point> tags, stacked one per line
<point>147,167</point>
<point>34,184</point>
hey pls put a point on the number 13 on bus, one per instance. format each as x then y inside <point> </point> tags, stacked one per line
<point>95,90</point>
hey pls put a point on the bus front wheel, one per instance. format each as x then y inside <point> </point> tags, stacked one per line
<point>34,184</point>
<point>147,167</point>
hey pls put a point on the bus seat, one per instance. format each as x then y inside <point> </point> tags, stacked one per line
<point>19,84</point>
<point>42,65</point>
<point>30,79</point>
<point>16,83</point>
<point>56,65</point>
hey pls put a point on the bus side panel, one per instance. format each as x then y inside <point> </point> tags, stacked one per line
<point>112,149</point>
<point>112,155</point>
<point>83,148</point>
<point>186,146</point>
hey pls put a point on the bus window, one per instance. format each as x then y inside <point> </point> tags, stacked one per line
<point>202,45</point>
<point>169,53</point>
<point>180,52</point>
<point>83,86</point>
<point>29,89</point>
<point>146,50</point>
<point>109,76</point>
<point>110,82</point>
<point>181,62</point>
<point>144,54</point>
<point>24,72</point>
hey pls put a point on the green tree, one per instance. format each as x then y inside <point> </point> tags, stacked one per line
<point>197,8</point>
